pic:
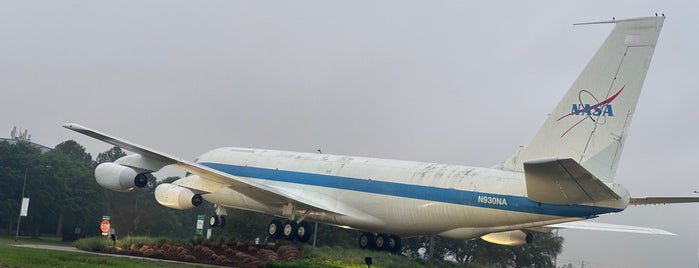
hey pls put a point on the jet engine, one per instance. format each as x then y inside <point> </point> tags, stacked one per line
<point>177,197</point>
<point>119,178</point>
<point>509,238</point>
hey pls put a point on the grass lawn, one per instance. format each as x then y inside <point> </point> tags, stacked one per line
<point>13,256</point>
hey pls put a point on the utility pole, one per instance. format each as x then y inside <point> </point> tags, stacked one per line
<point>431,247</point>
<point>697,192</point>
<point>315,234</point>
<point>21,199</point>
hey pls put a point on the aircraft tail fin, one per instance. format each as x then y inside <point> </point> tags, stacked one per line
<point>591,122</point>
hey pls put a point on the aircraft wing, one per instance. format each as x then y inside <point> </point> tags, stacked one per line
<point>598,226</point>
<point>564,181</point>
<point>662,200</point>
<point>251,188</point>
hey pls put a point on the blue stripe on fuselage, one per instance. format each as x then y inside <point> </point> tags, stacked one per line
<point>452,196</point>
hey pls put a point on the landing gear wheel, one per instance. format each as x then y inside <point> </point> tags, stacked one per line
<point>214,221</point>
<point>290,230</point>
<point>381,242</point>
<point>366,241</point>
<point>274,230</point>
<point>304,232</point>
<point>394,244</point>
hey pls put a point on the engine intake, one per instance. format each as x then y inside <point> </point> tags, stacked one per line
<point>177,197</point>
<point>119,178</point>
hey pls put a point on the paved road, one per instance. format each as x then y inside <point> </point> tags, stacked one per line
<point>73,249</point>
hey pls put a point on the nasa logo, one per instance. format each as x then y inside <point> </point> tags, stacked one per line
<point>592,109</point>
<point>593,112</point>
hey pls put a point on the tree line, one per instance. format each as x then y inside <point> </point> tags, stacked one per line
<point>64,197</point>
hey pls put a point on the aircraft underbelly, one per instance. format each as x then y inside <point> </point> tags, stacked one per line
<point>389,214</point>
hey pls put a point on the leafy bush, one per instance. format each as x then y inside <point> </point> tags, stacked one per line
<point>339,257</point>
<point>92,243</point>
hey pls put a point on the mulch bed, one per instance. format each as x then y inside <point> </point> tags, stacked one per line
<point>244,255</point>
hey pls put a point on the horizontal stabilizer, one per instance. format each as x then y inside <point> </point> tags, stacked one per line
<point>597,226</point>
<point>564,181</point>
<point>662,200</point>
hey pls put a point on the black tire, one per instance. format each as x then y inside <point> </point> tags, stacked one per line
<point>290,230</point>
<point>274,229</point>
<point>366,241</point>
<point>394,244</point>
<point>214,221</point>
<point>221,221</point>
<point>304,233</point>
<point>381,242</point>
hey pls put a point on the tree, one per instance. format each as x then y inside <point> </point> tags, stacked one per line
<point>540,253</point>
<point>76,152</point>
<point>110,156</point>
<point>78,195</point>
<point>15,159</point>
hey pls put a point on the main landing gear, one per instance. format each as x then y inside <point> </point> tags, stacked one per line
<point>290,230</point>
<point>380,242</point>
<point>219,219</point>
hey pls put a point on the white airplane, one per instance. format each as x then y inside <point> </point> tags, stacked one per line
<point>564,176</point>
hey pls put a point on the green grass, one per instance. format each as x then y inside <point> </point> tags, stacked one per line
<point>55,241</point>
<point>338,257</point>
<point>13,256</point>
<point>334,257</point>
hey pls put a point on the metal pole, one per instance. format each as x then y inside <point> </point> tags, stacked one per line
<point>697,192</point>
<point>431,247</point>
<point>19,215</point>
<point>315,234</point>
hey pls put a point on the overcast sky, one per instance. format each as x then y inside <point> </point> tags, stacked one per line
<point>457,82</point>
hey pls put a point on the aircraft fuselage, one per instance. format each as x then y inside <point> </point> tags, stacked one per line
<point>394,196</point>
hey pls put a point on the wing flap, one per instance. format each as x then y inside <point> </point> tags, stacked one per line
<point>564,181</point>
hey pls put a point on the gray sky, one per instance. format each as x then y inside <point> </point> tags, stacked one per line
<point>440,81</point>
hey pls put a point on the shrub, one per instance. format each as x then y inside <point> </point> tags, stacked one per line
<point>92,243</point>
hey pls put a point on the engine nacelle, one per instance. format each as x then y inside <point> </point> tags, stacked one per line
<point>119,178</point>
<point>509,238</point>
<point>177,197</point>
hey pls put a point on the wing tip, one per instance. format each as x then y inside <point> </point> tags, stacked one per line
<point>73,126</point>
